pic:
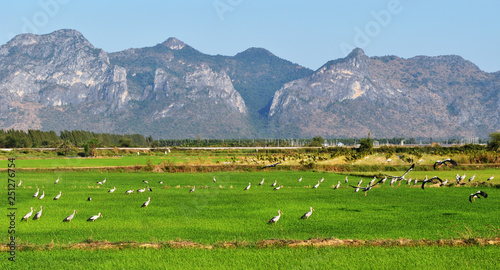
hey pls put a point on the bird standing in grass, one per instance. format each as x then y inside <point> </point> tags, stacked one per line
<point>93,218</point>
<point>112,190</point>
<point>28,215</point>
<point>300,179</point>
<point>317,185</point>
<point>277,188</point>
<point>261,182</point>
<point>248,187</point>
<point>308,214</point>
<point>70,217</point>
<point>215,179</point>
<point>274,184</point>
<point>367,188</point>
<point>338,185</point>
<point>129,191</point>
<point>491,178</point>
<point>36,193</point>
<point>275,218</point>
<point>192,190</point>
<point>473,196</point>
<point>38,214</point>
<point>57,180</point>
<point>58,196</point>
<point>346,180</point>
<point>146,203</point>
<point>20,182</point>
<point>472,178</point>
<point>42,196</point>
<point>141,190</point>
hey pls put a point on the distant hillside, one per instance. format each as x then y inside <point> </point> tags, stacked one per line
<point>60,81</point>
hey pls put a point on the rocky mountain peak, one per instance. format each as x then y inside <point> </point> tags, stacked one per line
<point>174,44</point>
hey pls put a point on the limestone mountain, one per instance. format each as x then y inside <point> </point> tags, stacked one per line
<point>444,96</point>
<point>60,81</point>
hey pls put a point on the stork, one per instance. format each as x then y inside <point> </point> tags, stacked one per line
<point>70,217</point>
<point>148,188</point>
<point>462,177</point>
<point>89,199</point>
<point>372,181</point>
<point>308,214</point>
<point>146,203</point>
<point>385,179</point>
<point>261,182</point>
<point>58,196</point>
<point>277,188</point>
<point>322,179</point>
<point>274,184</point>
<point>36,193</point>
<point>402,177</point>
<point>472,178</point>
<point>317,185</point>
<point>141,190</point>
<point>192,190</point>
<point>430,180</point>
<point>215,179</point>
<point>275,218</point>
<point>393,180</point>
<point>20,182</point>
<point>104,181</point>
<point>367,188</point>
<point>338,185</point>
<point>112,190</point>
<point>360,181</point>
<point>248,187</point>
<point>448,160</point>
<point>42,196</point>
<point>491,178</point>
<point>57,180</point>
<point>346,180</point>
<point>161,182</point>
<point>99,183</point>
<point>28,215</point>
<point>473,196</point>
<point>444,183</point>
<point>145,181</point>
<point>300,179</point>
<point>38,214</point>
<point>271,165</point>
<point>129,191</point>
<point>457,178</point>
<point>93,218</point>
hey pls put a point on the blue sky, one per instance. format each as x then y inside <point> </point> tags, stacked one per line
<point>309,33</point>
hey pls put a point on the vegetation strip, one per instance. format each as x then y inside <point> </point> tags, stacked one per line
<point>94,245</point>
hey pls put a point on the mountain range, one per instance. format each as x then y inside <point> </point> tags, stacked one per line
<point>60,81</point>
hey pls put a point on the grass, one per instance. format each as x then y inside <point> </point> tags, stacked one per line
<point>474,257</point>
<point>222,211</point>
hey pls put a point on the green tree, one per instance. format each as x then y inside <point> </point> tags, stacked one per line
<point>317,141</point>
<point>366,145</point>
<point>494,141</point>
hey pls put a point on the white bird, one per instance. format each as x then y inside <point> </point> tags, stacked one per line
<point>491,178</point>
<point>276,218</point>
<point>70,217</point>
<point>149,189</point>
<point>57,180</point>
<point>36,193</point>
<point>444,182</point>
<point>104,181</point>
<point>322,179</point>
<point>161,182</point>
<point>383,180</point>
<point>28,215</point>
<point>93,218</point>
<point>372,181</point>
<point>472,178</point>
<point>129,191</point>
<point>457,178</point>
<point>416,181</point>
<point>141,190</point>
<point>276,188</point>
<point>215,179</point>
<point>308,214</point>
<point>42,196</point>
<point>317,185</point>
<point>89,199</point>
<point>192,190</point>
<point>346,180</point>
<point>146,203</point>
<point>274,184</point>
<point>360,181</point>
<point>20,182</point>
<point>393,180</point>
<point>462,178</point>
<point>338,185</point>
<point>99,183</point>
<point>409,181</point>
<point>248,187</point>
<point>112,190</point>
<point>58,196</point>
<point>261,182</point>
<point>145,181</point>
<point>300,179</point>
<point>38,214</point>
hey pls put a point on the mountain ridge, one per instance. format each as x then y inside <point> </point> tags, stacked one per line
<point>171,90</point>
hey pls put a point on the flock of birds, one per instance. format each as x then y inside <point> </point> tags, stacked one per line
<point>358,187</point>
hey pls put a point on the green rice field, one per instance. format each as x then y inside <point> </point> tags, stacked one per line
<point>220,220</point>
